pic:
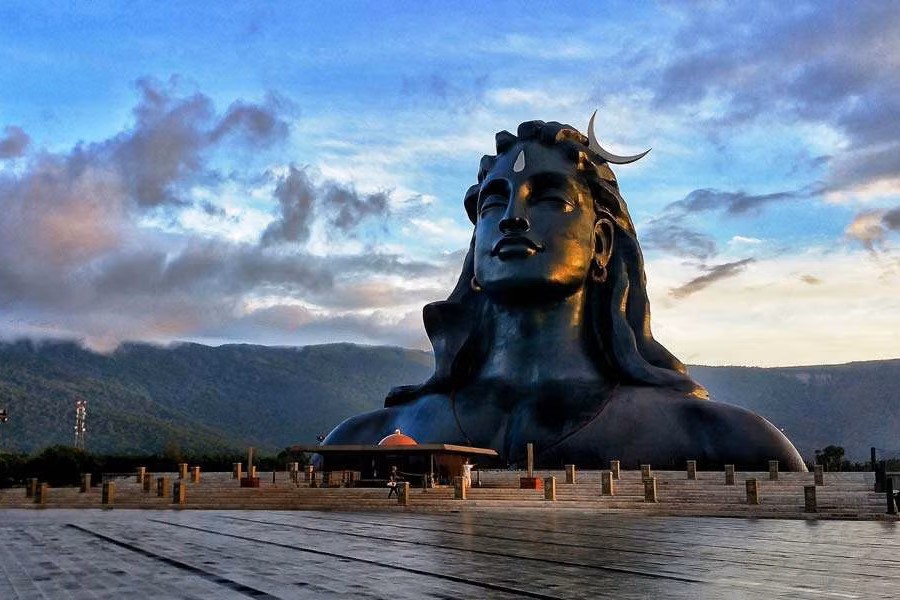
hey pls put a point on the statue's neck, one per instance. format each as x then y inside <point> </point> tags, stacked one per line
<point>534,344</point>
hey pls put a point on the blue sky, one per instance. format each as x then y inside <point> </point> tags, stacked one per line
<point>294,174</point>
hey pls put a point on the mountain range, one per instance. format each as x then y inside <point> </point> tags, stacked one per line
<point>145,398</point>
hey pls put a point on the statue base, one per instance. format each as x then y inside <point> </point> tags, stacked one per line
<point>531,483</point>
<point>250,482</point>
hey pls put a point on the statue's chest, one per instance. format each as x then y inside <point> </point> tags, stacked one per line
<point>506,419</point>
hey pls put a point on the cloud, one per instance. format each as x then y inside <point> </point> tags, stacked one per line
<point>835,66</point>
<point>454,95</point>
<point>739,240</point>
<point>14,142</point>
<point>290,324</point>
<point>95,246</point>
<point>299,199</point>
<point>733,203</point>
<point>773,315</point>
<point>296,198</point>
<point>349,207</point>
<point>871,227</point>
<point>168,149</point>
<point>891,219</point>
<point>713,274</point>
<point>257,124</point>
<point>671,237</point>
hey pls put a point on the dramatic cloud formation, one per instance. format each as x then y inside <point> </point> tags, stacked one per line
<point>714,274</point>
<point>301,180</point>
<point>834,66</point>
<point>13,142</point>
<point>80,258</point>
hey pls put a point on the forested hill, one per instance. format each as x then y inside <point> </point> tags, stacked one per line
<point>143,397</point>
<point>854,405</point>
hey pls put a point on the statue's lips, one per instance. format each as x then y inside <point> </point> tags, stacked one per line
<point>516,246</point>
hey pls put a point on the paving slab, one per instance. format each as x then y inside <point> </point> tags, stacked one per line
<point>87,554</point>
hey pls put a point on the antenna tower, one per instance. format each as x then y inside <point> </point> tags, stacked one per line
<point>80,416</point>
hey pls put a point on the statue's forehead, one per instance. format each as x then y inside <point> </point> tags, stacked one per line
<point>528,158</point>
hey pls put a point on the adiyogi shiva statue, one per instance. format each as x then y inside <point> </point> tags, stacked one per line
<point>546,337</point>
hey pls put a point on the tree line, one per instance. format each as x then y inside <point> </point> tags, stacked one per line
<point>64,465</point>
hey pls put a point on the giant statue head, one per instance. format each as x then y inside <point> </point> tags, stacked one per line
<point>549,223</point>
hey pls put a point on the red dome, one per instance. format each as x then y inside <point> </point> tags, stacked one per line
<point>398,439</point>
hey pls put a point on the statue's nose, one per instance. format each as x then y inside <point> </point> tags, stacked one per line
<point>514,224</point>
<point>515,218</point>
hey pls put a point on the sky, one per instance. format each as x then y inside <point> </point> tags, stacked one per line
<point>293,173</point>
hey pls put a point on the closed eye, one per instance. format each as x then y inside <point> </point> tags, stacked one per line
<point>560,200</point>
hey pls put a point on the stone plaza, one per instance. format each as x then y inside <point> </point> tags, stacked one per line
<point>511,553</point>
<point>585,535</point>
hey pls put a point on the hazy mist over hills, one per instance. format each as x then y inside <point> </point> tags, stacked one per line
<point>142,397</point>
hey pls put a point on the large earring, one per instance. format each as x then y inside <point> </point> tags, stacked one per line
<point>473,283</point>
<point>599,272</point>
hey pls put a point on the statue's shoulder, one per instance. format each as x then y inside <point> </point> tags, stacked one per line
<point>723,432</point>
<point>370,427</point>
<point>364,428</point>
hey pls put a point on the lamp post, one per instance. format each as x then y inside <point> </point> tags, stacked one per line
<point>80,417</point>
<point>4,415</point>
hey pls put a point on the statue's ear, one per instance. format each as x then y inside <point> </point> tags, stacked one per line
<point>604,233</point>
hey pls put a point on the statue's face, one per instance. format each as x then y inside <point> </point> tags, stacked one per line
<point>536,229</point>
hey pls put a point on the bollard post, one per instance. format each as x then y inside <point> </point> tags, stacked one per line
<point>753,491</point>
<point>179,492</point>
<point>729,474</point>
<point>148,481</point>
<point>692,469</point>
<point>195,474</point>
<point>614,468</point>
<point>550,489</point>
<point>162,487</point>
<point>650,489</point>
<point>809,499</point>
<point>646,473</point>
<point>252,472</point>
<point>41,492</point>
<point>85,483</point>
<point>529,460</point>
<point>888,493</point>
<point>819,475</point>
<point>459,488</point>
<point>403,499</point>
<point>570,474</point>
<point>141,473</point>
<point>182,470</point>
<point>108,494</point>
<point>773,470</point>
<point>310,470</point>
<point>880,476</point>
<point>237,470</point>
<point>607,484</point>
<point>31,487</point>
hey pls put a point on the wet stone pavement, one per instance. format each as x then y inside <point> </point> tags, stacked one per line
<point>81,554</point>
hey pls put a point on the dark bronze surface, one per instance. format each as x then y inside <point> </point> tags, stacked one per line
<point>546,337</point>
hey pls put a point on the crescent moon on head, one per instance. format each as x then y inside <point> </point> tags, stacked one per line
<point>615,159</point>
